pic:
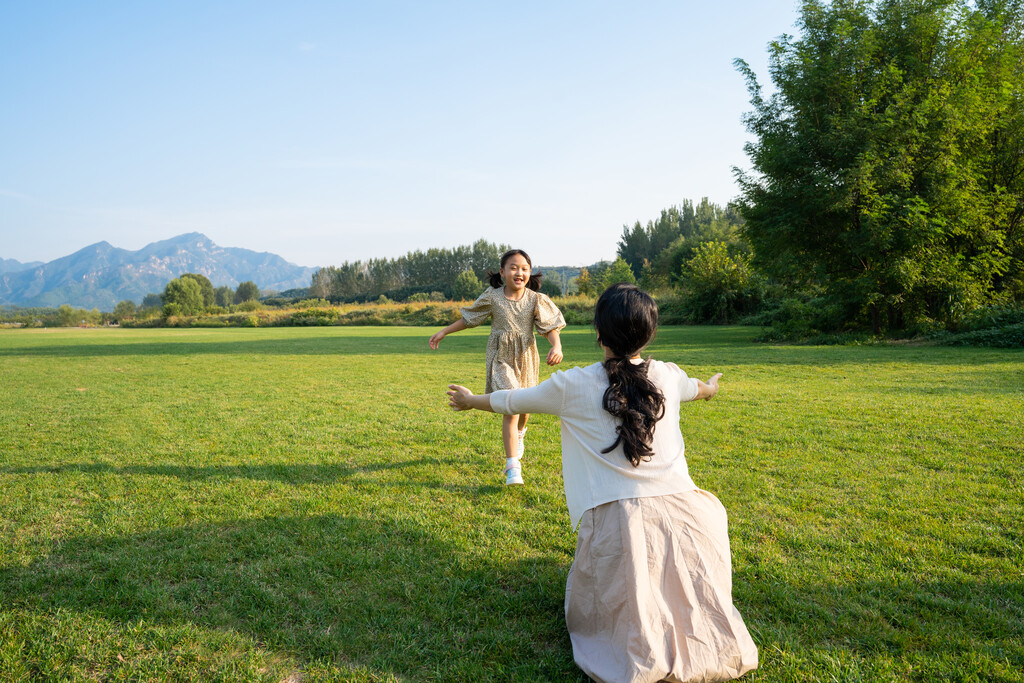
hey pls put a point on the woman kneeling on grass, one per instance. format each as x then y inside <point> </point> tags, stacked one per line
<point>649,594</point>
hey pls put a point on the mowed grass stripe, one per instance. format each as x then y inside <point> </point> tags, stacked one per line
<point>249,504</point>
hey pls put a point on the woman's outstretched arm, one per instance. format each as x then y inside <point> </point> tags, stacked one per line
<point>707,390</point>
<point>461,398</point>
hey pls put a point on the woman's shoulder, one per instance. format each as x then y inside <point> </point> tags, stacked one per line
<point>664,369</point>
<point>582,374</point>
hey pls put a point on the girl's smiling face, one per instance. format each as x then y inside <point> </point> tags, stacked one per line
<point>515,273</point>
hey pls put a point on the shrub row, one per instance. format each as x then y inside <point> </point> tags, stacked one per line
<point>419,314</point>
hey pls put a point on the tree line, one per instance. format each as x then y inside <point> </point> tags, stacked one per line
<point>190,294</point>
<point>457,273</point>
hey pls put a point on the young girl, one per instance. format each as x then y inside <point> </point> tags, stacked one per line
<point>649,594</point>
<point>515,307</point>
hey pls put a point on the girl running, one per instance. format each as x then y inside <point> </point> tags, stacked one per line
<point>515,307</point>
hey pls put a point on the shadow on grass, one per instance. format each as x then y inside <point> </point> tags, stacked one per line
<point>289,474</point>
<point>334,590</point>
<point>393,598</point>
<point>298,346</point>
<point>299,475</point>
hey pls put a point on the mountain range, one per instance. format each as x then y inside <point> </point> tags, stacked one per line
<point>9,265</point>
<point>101,275</point>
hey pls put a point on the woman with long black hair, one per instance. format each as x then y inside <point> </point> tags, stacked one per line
<point>649,594</point>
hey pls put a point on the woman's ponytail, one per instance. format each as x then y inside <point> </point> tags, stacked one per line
<point>626,319</point>
<point>638,404</point>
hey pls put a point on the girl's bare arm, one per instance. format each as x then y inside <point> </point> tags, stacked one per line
<point>456,326</point>
<point>555,354</point>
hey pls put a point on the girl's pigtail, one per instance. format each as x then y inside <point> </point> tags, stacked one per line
<point>534,281</point>
<point>494,279</point>
<point>637,402</point>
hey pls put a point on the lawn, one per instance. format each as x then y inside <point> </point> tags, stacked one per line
<point>298,504</point>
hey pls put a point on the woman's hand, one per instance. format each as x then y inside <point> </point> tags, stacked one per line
<point>555,355</point>
<point>458,397</point>
<point>713,384</point>
<point>435,340</point>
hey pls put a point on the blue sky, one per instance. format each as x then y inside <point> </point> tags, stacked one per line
<point>334,131</point>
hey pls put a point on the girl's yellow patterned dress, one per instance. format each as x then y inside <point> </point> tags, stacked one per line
<point>512,358</point>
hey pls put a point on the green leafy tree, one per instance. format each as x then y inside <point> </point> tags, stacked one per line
<point>247,291</point>
<point>584,283</point>
<point>205,287</point>
<point>679,229</point>
<point>223,296</point>
<point>618,271</point>
<point>467,286</point>
<point>321,285</point>
<point>882,162</point>
<point>650,280</point>
<point>185,294</point>
<point>550,287</point>
<point>124,310</point>
<point>718,287</point>
<point>151,301</point>
<point>67,316</point>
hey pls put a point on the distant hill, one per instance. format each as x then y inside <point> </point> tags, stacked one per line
<point>9,265</point>
<point>100,275</point>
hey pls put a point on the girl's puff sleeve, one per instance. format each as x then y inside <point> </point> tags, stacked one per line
<point>547,317</point>
<point>477,313</point>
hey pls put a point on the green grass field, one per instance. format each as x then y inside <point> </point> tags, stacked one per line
<point>299,504</point>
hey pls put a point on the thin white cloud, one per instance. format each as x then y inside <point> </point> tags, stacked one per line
<point>14,194</point>
<point>307,47</point>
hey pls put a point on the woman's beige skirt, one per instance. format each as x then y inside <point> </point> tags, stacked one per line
<point>649,595</point>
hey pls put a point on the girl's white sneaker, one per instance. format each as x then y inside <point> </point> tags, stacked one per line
<point>514,475</point>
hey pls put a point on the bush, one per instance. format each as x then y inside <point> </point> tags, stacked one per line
<point>577,310</point>
<point>244,320</point>
<point>718,288</point>
<point>311,303</point>
<point>315,316</point>
<point>991,317</point>
<point>248,305</point>
<point>418,297</point>
<point>1008,337</point>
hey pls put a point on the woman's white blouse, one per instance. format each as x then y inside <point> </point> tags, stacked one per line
<point>590,477</point>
